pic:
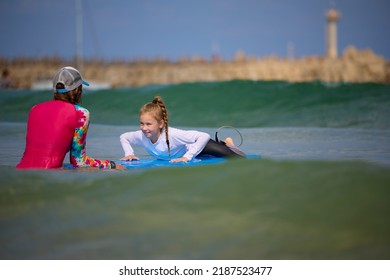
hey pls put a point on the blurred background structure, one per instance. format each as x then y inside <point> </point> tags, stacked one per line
<point>131,43</point>
<point>332,16</point>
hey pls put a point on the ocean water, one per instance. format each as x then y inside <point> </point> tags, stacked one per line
<point>321,189</point>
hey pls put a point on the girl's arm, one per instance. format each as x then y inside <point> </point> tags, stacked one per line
<point>195,141</point>
<point>78,156</point>
<point>126,139</point>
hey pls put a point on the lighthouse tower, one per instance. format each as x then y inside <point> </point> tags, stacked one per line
<point>332,16</point>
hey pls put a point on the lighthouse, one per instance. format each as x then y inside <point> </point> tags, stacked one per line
<point>332,16</point>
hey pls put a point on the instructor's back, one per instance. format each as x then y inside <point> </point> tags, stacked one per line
<point>59,126</point>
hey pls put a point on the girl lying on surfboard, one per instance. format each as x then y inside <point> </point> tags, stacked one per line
<point>169,143</point>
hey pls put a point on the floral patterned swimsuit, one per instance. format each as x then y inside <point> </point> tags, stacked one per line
<point>78,156</point>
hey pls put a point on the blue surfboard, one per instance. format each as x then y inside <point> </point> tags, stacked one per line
<point>152,162</point>
<point>149,162</point>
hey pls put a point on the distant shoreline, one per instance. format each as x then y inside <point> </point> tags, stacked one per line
<point>352,66</point>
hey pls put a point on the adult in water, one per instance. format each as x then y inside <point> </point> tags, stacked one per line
<point>59,126</point>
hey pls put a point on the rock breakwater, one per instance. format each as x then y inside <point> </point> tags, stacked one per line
<point>352,66</point>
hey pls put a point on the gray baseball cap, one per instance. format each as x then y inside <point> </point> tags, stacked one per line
<point>70,78</point>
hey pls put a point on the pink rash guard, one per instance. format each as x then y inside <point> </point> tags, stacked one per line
<point>53,129</point>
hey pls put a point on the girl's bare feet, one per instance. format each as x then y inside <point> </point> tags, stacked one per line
<point>229,142</point>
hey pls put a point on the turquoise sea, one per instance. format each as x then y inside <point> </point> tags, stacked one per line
<point>320,190</point>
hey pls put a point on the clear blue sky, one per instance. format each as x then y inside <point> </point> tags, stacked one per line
<point>129,29</point>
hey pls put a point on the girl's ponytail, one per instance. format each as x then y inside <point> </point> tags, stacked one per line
<point>158,100</point>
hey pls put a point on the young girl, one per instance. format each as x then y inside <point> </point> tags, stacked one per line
<point>168,143</point>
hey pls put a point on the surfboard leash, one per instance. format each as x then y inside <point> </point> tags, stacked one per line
<point>229,126</point>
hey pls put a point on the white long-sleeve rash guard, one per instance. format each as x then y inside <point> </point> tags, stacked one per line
<point>183,143</point>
